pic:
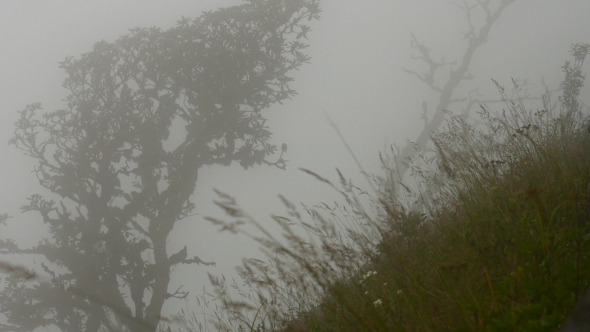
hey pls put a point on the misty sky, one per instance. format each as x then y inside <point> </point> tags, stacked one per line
<point>358,49</point>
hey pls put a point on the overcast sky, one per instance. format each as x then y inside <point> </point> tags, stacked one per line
<point>358,49</point>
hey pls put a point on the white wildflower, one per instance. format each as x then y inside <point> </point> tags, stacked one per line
<point>368,275</point>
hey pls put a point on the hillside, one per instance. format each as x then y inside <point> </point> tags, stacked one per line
<point>501,240</point>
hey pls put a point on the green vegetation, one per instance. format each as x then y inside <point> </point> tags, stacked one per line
<point>492,234</point>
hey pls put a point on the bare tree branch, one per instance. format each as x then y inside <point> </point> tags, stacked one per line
<point>476,37</point>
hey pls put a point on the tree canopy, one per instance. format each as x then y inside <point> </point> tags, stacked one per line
<point>119,163</point>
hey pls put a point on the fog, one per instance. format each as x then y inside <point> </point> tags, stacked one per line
<point>358,49</point>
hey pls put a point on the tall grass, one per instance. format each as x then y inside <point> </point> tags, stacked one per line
<point>493,235</point>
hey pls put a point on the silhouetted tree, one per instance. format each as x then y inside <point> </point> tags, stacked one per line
<point>120,161</point>
<point>475,37</point>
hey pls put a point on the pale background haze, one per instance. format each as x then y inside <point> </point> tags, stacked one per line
<point>358,50</point>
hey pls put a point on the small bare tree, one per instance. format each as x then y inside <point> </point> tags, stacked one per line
<point>475,37</point>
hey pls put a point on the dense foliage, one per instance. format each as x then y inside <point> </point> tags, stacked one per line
<point>120,161</point>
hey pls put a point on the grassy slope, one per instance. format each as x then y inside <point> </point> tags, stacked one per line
<point>502,242</point>
<point>508,248</point>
